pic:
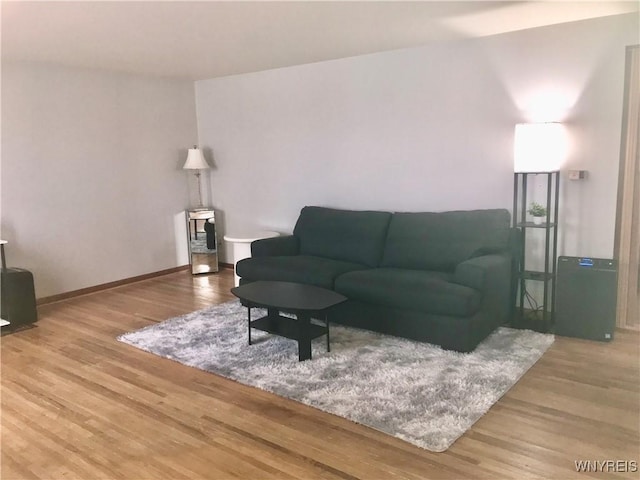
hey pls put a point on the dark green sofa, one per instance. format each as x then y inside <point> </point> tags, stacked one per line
<point>444,278</point>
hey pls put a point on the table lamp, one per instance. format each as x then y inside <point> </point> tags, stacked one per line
<point>195,161</point>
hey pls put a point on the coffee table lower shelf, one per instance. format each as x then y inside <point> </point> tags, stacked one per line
<point>287,327</point>
<point>302,329</point>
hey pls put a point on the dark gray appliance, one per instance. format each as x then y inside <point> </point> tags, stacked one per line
<point>17,294</point>
<point>586,292</point>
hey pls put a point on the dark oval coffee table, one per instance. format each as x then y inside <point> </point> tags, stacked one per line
<point>305,301</point>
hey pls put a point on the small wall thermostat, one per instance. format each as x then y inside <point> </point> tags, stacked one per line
<point>577,174</point>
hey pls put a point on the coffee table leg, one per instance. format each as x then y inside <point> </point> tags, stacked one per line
<point>249,323</point>
<point>304,338</point>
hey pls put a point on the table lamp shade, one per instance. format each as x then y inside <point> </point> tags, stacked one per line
<point>195,160</point>
<point>539,147</point>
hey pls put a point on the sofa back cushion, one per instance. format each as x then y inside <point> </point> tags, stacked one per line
<point>439,241</point>
<point>351,236</point>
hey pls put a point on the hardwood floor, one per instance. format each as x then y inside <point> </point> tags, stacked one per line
<point>77,404</point>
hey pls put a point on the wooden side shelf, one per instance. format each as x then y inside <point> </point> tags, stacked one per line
<point>550,228</point>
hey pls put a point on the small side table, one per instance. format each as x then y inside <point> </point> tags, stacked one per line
<point>241,245</point>
<point>203,248</point>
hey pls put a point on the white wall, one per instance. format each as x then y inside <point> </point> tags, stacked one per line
<point>426,128</point>
<point>91,173</point>
<point>91,184</point>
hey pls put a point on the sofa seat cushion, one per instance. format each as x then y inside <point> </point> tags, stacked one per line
<point>297,268</point>
<point>425,291</point>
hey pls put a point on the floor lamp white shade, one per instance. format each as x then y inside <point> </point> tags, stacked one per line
<point>196,161</point>
<point>539,147</point>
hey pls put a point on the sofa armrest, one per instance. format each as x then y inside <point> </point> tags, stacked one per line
<point>275,246</point>
<point>492,276</point>
<point>478,272</point>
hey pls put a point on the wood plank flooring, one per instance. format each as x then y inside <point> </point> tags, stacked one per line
<point>77,404</point>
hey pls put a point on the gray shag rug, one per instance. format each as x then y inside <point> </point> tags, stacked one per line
<point>415,391</point>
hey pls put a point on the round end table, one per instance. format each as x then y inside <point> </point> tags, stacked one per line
<point>241,245</point>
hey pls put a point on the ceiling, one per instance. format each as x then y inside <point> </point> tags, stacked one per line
<point>206,39</point>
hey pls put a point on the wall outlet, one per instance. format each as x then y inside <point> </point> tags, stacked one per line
<point>577,174</point>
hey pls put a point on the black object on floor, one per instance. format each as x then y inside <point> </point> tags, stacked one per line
<point>586,294</point>
<point>17,295</point>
